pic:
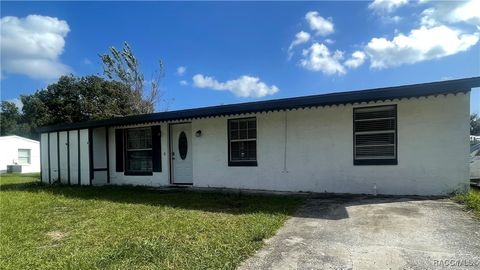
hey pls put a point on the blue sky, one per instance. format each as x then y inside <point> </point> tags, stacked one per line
<point>237,52</point>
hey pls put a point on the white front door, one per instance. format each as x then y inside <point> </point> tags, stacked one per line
<point>181,153</point>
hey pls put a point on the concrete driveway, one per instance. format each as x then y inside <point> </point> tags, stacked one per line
<point>374,233</point>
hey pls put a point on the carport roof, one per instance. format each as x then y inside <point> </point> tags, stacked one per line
<point>377,94</point>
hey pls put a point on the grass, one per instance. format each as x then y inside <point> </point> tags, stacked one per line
<point>471,200</point>
<point>73,227</point>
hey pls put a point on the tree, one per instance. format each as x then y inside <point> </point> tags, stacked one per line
<point>11,121</point>
<point>474,124</point>
<point>123,66</point>
<point>9,117</point>
<point>76,99</point>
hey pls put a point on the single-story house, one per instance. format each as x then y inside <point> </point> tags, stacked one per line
<point>376,141</point>
<point>20,154</point>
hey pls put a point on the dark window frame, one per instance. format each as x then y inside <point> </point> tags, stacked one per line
<point>241,163</point>
<point>126,149</point>
<point>376,161</point>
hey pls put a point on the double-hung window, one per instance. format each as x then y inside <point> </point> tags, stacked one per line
<point>242,134</point>
<point>375,135</point>
<point>24,156</point>
<point>138,151</point>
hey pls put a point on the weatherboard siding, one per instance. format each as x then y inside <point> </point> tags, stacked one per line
<point>44,157</point>
<point>63,150</point>
<point>84,158</point>
<point>73,144</point>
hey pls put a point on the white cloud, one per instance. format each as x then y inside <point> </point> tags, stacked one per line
<point>468,11</point>
<point>181,70</point>
<point>329,41</point>
<point>320,25</point>
<point>87,61</point>
<point>387,5</point>
<point>319,58</point>
<point>357,59</point>
<point>32,45</point>
<point>244,86</point>
<point>183,82</point>
<point>420,44</point>
<point>300,38</point>
<point>452,12</point>
<point>17,103</point>
<point>444,29</point>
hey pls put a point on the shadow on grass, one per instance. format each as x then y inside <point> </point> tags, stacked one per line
<point>231,203</point>
<point>318,206</point>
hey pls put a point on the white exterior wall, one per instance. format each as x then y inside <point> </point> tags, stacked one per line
<point>99,156</point>
<point>54,173</point>
<point>73,143</point>
<point>9,146</point>
<point>44,157</point>
<point>432,151</point>
<point>84,158</point>
<point>61,160</point>
<point>63,150</point>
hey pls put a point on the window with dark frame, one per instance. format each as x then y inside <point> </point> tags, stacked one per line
<point>242,134</point>
<point>138,152</point>
<point>375,135</point>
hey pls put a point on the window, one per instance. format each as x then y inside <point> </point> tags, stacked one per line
<point>23,156</point>
<point>375,135</point>
<point>242,134</point>
<point>139,151</point>
<point>183,145</point>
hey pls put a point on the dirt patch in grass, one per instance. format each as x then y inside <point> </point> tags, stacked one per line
<point>56,235</point>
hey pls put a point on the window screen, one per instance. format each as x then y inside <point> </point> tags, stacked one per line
<point>243,141</point>
<point>375,135</point>
<point>23,156</point>
<point>139,150</point>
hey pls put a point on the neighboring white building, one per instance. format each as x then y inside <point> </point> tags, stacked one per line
<point>474,139</point>
<point>16,150</point>
<point>370,141</point>
<point>475,162</point>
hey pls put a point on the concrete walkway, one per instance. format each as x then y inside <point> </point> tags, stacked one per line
<point>374,233</point>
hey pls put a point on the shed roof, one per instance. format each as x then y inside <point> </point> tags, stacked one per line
<point>350,97</point>
<point>15,137</point>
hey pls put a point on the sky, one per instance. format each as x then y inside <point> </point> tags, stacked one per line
<point>230,52</point>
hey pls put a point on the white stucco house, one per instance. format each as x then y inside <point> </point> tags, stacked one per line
<point>16,150</point>
<point>368,141</point>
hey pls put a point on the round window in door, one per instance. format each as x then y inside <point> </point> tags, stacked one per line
<point>182,145</point>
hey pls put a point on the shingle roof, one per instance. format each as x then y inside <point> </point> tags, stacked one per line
<point>377,94</point>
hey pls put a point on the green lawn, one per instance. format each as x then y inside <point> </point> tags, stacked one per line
<point>471,200</point>
<point>72,227</point>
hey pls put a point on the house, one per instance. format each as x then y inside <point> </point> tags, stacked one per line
<point>20,151</point>
<point>369,141</point>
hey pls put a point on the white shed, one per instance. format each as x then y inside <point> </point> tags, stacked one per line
<point>16,150</point>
